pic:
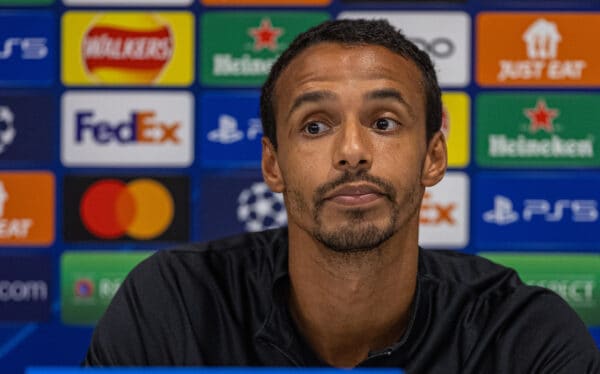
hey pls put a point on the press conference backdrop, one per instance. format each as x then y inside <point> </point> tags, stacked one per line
<point>133,126</point>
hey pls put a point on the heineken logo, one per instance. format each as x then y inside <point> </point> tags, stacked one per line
<point>540,118</point>
<point>556,131</point>
<point>238,49</point>
<point>265,36</point>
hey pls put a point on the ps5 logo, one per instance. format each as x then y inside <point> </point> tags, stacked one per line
<point>31,48</point>
<point>535,209</point>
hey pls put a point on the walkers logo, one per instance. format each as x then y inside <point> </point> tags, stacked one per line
<point>537,49</point>
<point>27,48</point>
<point>127,3</point>
<point>445,36</point>
<point>545,211</point>
<point>444,217</point>
<point>26,208</point>
<point>89,280</point>
<point>127,129</point>
<point>239,48</point>
<point>456,127</point>
<point>265,2</point>
<point>534,130</point>
<point>25,288</point>
<point>20,117</point>
<point>576,278</point>
<point>119,209</point>
<point>127,48</point>
<point>231,129</point>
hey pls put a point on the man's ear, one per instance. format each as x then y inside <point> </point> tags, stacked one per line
<point>436,160</point>
<point>270,166</point>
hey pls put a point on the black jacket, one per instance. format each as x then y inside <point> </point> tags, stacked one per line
<point>224,303</point>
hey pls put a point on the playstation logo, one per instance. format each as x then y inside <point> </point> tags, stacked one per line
<point>503,213</point>
<point>227,131</point>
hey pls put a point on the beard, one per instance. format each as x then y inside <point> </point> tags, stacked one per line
<point>357,234</point>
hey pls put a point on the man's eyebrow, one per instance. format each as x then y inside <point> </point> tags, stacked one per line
<point>311,97</point>
<point>389,93</point>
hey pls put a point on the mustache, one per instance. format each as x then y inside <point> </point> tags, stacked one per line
<point>348,177</point>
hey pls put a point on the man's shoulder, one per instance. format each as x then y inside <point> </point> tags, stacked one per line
<point>248,249</point>
<point>464,269</point>
<point>256,258</point>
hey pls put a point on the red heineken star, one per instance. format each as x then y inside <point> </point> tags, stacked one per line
<point>265,36</point>
<point>541,117</point>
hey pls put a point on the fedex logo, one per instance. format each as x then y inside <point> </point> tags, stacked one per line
<point>127,129</point>
<point>546,210</point>
<point>141,127</point>
<point>29,48</point>
<point>444,217</point>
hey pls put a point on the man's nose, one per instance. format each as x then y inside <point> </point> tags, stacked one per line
<point>353,148</point>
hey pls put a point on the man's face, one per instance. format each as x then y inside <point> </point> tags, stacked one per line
<point>352,159</point>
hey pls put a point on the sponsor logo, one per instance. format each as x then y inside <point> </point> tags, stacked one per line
<point>126,209</point>
<point>456,127</point>
<point>24,48</point>
<point>549,211</point>
<point>25,288</point>
<point>537,49</point>
<point>444,221</point>
<point>576,278</point>
<point>126,3</point>
<point>20,115</point>
<point>26,208</point>
<point>7,128</point>
<point>251,46</point>
<point>259,208</point>
<point>227,131</point>
<point>264,2</point>
<point>445,36</point>
<point>127,129</point>
<point>90,280</point>
<point>27,48</point>
<point>127,48</point>
<point>231,129</point>
<point>544,211</point>
<point>439,47</point>
<point>536,130</point>
<point>84,288</point>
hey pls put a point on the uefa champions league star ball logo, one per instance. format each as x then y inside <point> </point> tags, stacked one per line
<point>260,209</point>
<point>7,128</point>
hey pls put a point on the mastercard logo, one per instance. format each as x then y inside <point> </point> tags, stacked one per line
<point>141,209</point>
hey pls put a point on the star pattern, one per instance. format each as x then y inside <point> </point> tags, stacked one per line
<point>541,117</point>
<point>265,36</point>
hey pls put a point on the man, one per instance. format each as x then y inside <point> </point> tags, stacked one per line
<point>351,114</point>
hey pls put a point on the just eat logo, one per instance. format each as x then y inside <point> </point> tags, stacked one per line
<point>140,127</point>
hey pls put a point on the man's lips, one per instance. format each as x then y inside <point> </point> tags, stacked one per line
<point>355,194</point>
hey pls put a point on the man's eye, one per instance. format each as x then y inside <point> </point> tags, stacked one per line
<point>385,124</point>
<point>315,128</point>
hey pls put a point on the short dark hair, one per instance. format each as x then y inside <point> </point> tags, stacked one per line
<point>359,32</point>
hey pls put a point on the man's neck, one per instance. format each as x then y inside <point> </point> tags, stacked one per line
<point>348,304</point>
